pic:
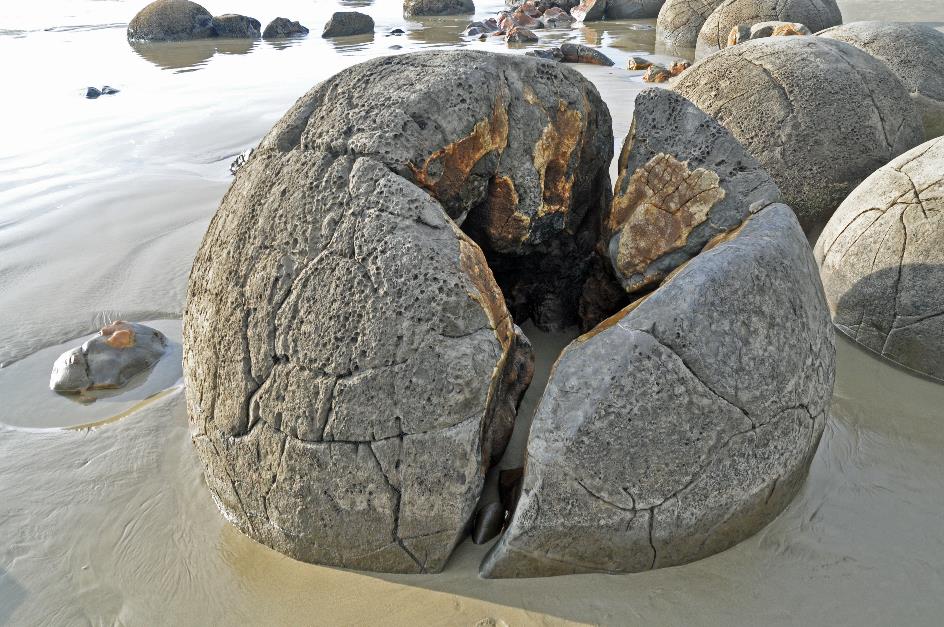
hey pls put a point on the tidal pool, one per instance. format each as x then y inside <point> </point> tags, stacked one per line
<point>102,205</point>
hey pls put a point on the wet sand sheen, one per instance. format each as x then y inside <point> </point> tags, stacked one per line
<point>100,215</point>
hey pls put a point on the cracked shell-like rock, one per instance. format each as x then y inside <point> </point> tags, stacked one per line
<point>881,259</point>
<point>352,369</point>
<point>684,423</point>
<point>679,22</point>
<point>819,115</point>
<point>683,179</point>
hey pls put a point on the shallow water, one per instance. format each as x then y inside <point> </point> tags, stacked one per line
<point>102,205</point>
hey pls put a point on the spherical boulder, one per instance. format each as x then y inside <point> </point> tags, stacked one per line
<point>818,114</point>
<point>352,368</point>
<point>419,8</point>
<point>684,423</point>
<point>814,14</point>
<point>171,20</point>
<point>683,179</point>
<point>881,259</point>
<point>745,32</point>
<point>913,52</point>
<point>679,22</point>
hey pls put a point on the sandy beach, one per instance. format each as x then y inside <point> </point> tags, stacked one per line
<point>104,514</point>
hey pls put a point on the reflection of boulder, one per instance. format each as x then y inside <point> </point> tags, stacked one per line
<point>684,423</point>
<point>815,14</point>
<point>189,54</point>
<point>171,20</point>
<point>351,364</point>
<point>882,261</point>
<point>914,53</point>
<point>818,114</point>
<point>417,8</point>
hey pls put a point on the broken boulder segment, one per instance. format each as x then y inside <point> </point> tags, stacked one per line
<point>713,36</point>
<point>818,144</point>
<point>745,32</point>
<point>109,360</point>
<point>573,53</point>
<point>283,27</point>
<point>668,433</point>
<point>234,26</point>
<point>683,179</point>
<point>351,359</point>
<point>419,8</point>
<point>881,259</point>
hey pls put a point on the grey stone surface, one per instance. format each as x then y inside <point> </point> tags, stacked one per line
<point>108,360</point>
<point>818,114</point>
<point>679,22</point>
<point>595,10</point>
<point>171,20</point>
<point>683,179</point>
<point>234,26</point>
<point>344,23</point>
<point>283,27</point>
<point>349,358</point>
<point>579,53</point>
<point>881,259</point>
<point>419,8</point>
<point>686,422</point>
<point>815,14</point>
<point>914,53</point>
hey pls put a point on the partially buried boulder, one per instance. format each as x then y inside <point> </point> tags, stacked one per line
<point>283,27</point>
<point>108,360</point>
<point>419,8</point>
<point>914,53</point>
<point>686,422</point>
<point>683,179</point>
<point>881,258</point>
<point>233,26</point>
<point>345,23</point>
<point>351,365</point>
<point>815,14</point>
<point>171,20</point>
<point>819,115</point>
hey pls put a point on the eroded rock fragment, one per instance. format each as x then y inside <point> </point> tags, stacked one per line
<point>437,7</point>
<point>108,360</point>
<point>881,259</point>
<point>745,32</point>
<point>668,433</point>
<point>347,23</point>
<point>234,26</point>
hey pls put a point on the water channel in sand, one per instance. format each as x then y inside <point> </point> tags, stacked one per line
<point>102,205</point>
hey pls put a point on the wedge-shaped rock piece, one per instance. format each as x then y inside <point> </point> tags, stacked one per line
<point>881,258</point>
<point>684,423</point>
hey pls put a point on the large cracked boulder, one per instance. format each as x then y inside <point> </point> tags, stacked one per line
<point>684,423</point>
<point>683,179</point>
<point>819,115</point>
<point>419,8</point>
<point>881,259</point>
<point>352,370</point>
<point>679,22</point>
<point>913,52</point>
<point>171,20</point>
<point>594,10</point>
<point>814,14</point>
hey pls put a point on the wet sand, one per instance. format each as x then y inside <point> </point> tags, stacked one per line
<point>102,205</point>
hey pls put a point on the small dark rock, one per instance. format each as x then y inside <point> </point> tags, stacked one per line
<point>578,53</point>
<point>519,35</point>
<point>283,27</point>
<point>234,26</point>
<point>551,54</point>
<point>345,23</point>
<point>92,93</point>
<point>489,522</point>
<point>108,91</point>
<point>397,31</point>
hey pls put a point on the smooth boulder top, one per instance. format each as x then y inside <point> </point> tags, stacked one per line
<point>595,10</point>
<point>913,52</point>
<point>815,14</point>
<point>680,21</point>
<point>881,259</point>
<point>818,114</point>
<point>236,26</point>
<point>171,20</point>
<point>283,27</point>
<point>108,360</point>
<point>352,369</point>
<point>344,23</point>
<point>419,8</point>
<point>683,179</point>
<point>686,422</point>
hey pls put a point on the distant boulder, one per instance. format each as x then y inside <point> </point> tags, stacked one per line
<point>234,26</point>
<point>416,8</point>
<point>171,20</point>
<point>283,27</point>
<point>345,23</point>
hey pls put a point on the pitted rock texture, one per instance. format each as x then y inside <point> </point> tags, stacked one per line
<point>109,360</point>
<point>595,10</point>
<point>686,422</point>
<point>881,259</point>
<point>745,32</point>
<point>815,14</point>
<point>683,179</point>
<point>234,26</point>
<point>679,22</point>
<point>351,365</point>
<point>914,53</point>
<point>419,8</point>
<point>171,20</point>
<point>819,115</point>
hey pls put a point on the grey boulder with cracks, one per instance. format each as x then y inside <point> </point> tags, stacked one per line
<point>729,366</point>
